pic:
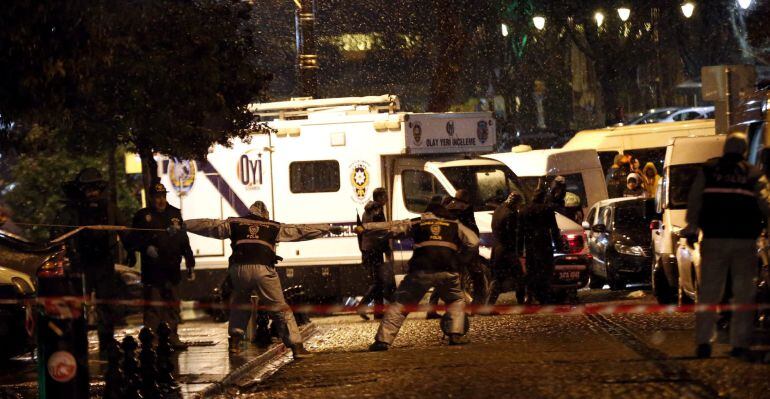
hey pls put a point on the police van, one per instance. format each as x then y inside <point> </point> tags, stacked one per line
<point>645,142</point>
<point>320,163</point>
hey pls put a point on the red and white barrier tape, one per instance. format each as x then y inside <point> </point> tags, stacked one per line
<point>52,302</point>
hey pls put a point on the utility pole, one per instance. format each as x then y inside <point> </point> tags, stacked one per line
<point>307,59</point>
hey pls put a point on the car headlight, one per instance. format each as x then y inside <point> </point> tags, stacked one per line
<point>22,286</point>
<point>633,250</point>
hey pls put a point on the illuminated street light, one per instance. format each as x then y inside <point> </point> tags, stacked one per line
<point>687,9</point>
<point>599,17</point>
<point>539,22</point>
<point>744,4</point>
<point>624,13</point>
<point>504,28</point>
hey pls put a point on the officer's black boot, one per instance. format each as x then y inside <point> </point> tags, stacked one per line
<point>299,352</point>
<point>703,351</point>
<point>234,343</point>
<point>378,346</point>
<point>458,339</point>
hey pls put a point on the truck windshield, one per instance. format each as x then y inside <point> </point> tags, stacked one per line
<point>489,185</point>
<point>680,179</point>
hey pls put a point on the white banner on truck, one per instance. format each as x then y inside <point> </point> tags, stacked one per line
<point>449,133</point>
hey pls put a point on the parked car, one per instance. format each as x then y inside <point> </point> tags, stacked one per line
<point>688,114</point>
<point>21,262</point>
<point>619,240</point>
<point>653,115</point>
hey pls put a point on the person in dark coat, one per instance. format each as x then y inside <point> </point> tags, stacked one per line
<point>616,176</point>
<point>507,248</point>
<point>162,253</point>
<point>383,281</point>
<point>541,233</point>
<point>91,252</point>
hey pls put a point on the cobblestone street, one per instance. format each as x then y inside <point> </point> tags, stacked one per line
<point>574,356</point>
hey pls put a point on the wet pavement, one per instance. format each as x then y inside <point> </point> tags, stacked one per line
<point>205,362</point>
<point>535,356</point>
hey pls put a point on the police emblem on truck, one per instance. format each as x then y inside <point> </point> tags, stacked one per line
<point>359,178</point>
<point>482,131</point>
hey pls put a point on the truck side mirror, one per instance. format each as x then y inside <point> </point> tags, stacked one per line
<point>599,228</point>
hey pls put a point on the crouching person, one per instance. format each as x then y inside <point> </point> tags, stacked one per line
<point>252,268</point>
<point>437,241</point>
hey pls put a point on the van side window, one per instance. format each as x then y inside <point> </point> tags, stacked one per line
<point>655,155</point>
<point>607,158</point>
<point>314,177</point>
<point>418,189</point>
<point>591,216</point>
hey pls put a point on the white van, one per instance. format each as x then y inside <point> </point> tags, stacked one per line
<point>684,157</point>
<point>580,168</point>
<point>645,142</point>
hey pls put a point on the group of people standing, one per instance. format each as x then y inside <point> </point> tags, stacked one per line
<point>158,235</point>
<point>626,178</point>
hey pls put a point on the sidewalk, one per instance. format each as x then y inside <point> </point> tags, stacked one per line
<point>205,367</point>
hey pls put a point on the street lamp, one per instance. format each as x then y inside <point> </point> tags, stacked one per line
<point>687,9</point>
<point>599,17</point>
<point>744,4</point>
<point>624,13</point>
<point>504,28</point>
<point>539,22</point>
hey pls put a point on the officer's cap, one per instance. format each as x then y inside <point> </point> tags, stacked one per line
<point>91,178</point>
<point>158,189</point>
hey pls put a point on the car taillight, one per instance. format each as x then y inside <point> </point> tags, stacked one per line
<point>573,243</point>
<point>53,266</point>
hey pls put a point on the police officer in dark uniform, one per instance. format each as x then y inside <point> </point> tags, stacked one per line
<point>507,248</point>
<point>461,209</point>
<point>162,252</point>
<point>91,252</point>
<point>541,233</point>
<point>437,240</point>
<point>372,252</point>
<point>253,238</point>
<point>727,203</point>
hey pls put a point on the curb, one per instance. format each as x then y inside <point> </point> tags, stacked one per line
<point>270,356</point>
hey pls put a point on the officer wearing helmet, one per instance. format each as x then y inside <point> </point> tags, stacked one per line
<point>253,238</point>
<point>727,202</point>
<point>162,251</point>
<point>91,252</point>
<point>438,238</point>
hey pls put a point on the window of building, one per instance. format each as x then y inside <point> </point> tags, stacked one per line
<point>314,177</point>
<point>419,187</point>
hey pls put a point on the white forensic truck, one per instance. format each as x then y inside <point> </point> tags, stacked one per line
<point>320,164</point>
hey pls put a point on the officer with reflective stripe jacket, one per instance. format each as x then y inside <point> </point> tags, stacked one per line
<point>437,241</point>
<point>252,267</point>
<point>726,203</point>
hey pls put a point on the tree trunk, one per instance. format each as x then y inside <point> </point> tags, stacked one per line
<point>452,39</point>
<point>112,184</point>
<point>149,169</point>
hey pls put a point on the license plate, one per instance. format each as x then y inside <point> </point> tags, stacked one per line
<point>569,275</point>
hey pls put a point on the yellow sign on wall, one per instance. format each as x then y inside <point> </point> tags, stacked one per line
<point>133,163</point>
